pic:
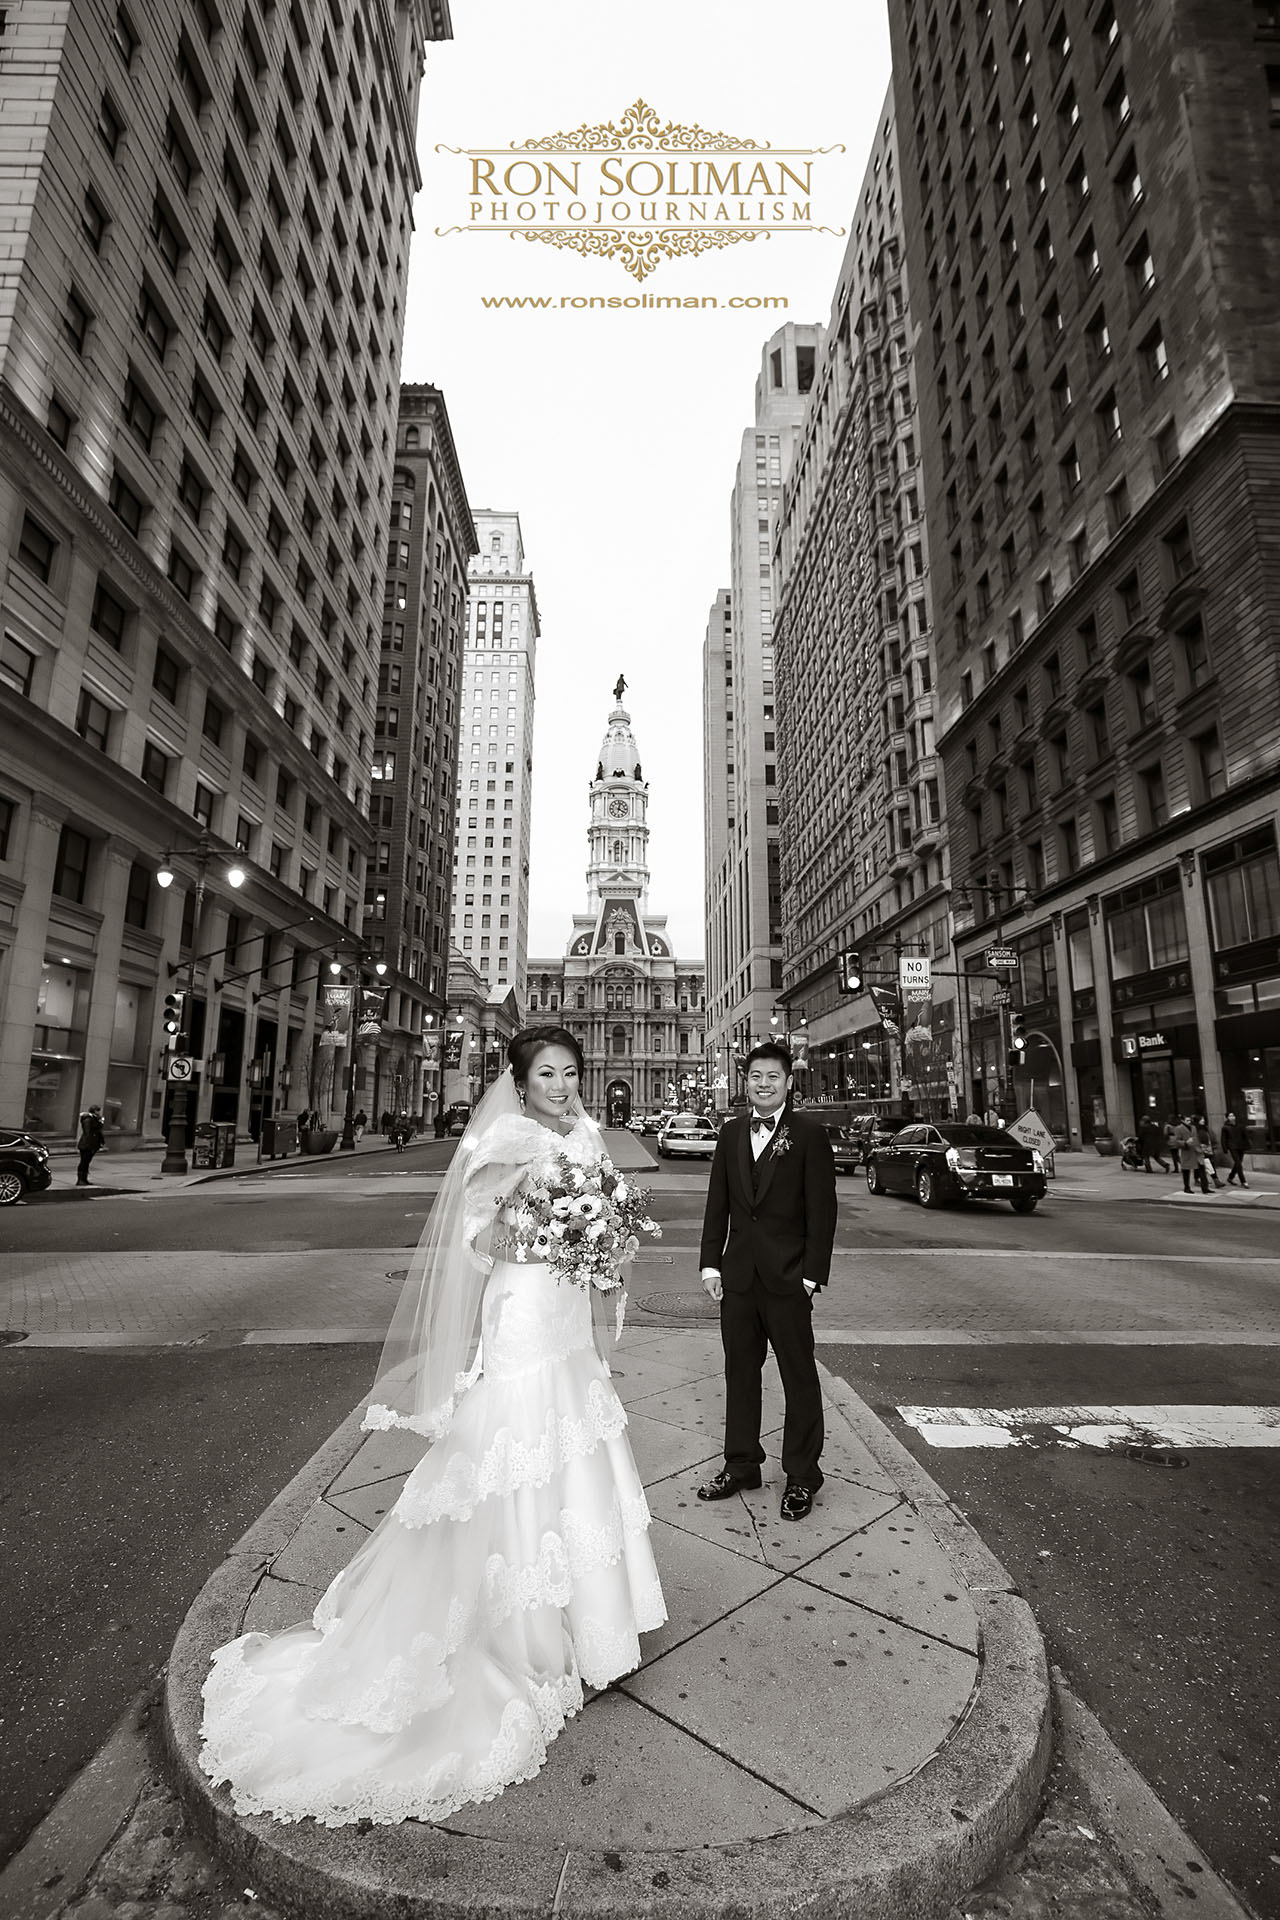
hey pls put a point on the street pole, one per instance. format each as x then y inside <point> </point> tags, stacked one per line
<point>347,1144</point>
<point>175,1156</point>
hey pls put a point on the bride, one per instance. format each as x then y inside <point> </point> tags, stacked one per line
<point>514,1568</point>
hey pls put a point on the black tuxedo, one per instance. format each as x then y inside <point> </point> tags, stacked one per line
<point>769,1226</point>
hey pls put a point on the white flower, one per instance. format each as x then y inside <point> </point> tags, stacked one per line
<point>595,1230</point>
<point>620,1193</point>
<point>557,1229</point>
<point>564,1205</point>
<point>590,1205</point>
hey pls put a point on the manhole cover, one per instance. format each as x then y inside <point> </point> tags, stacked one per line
<point>679,1306</point>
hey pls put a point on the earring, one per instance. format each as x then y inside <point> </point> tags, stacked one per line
<point>520,1097</point>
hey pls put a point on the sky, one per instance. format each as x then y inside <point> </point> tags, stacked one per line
<point>615,434</point>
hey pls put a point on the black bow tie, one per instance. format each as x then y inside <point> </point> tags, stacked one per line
<point>762,1123</point>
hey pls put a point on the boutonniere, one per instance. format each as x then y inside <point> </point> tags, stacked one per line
<point>782,1141</point>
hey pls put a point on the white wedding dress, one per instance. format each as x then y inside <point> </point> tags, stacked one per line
<point>514,1567</point>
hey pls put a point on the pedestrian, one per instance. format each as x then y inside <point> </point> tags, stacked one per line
<point>360,1122</point>
<point>1204,1147</point>
<point>767,1236</point>
<point>1183,1142</point>
<point>1235,1143</point>
<point>384,1124</point>
<point>92,1140</point>
<point>1151,1137</point>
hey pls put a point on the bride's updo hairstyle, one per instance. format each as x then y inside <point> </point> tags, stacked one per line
<point>524,1047</point>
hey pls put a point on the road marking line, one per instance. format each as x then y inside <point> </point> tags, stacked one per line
<point>1102,1426</point>
<point>1033,1253</point>
<point>1041,1336</point>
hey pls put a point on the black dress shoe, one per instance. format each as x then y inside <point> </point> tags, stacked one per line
<point>797,1501</point>
<point>726,1483</point>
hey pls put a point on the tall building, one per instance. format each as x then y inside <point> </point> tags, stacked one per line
<point>1090,204</point>
<point>415,758</point>
<point>638,1011</point>
<point>859,789</point>
<point>201,305</point>
<point>495,787</point>
<point>744,889</point>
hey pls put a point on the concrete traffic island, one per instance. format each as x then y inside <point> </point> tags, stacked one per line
<point>845,1716</point>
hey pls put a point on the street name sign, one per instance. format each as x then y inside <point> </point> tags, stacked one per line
<point>1001,959</point>
<point>1029,1130</point>
<point>180,1066</point>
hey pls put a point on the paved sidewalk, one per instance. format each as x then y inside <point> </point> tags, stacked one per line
<point>857,1704</point>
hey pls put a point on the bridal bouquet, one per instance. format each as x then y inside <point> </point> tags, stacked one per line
<point>584,1220</point>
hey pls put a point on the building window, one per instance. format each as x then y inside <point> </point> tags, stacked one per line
<point>202,806</point>
<point>1209,767</point>
<point>75,321</point>
<point>36,549</point>
<point>17,665</point>
<point>166,675</point>
<point>71,868</point>
<point>93,720</point>
<point>155,767</point>
<point>215,720</point>
<point>1155,800</point>
<point>1143,694</point>
<point>125,503</point>
<point>137,901</point>
<point>110,125</point>
<point>1180,557</point>
<point>1197,668</point>
<point>1108,823</point>
<point>1242,880</point>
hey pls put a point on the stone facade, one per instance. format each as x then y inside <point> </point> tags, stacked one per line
<point>1095,271</point>
<point>206,231</point>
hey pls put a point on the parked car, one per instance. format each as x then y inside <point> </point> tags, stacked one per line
<point>456,1118</point>
<point>846,1147</point>
<point>688,1136</point>
<point>954,1161</point>
<point>868,1130</point>
<point>24,1167</point>
<point>643,1123</point>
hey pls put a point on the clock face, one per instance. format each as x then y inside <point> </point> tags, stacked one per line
<point>618,809</point>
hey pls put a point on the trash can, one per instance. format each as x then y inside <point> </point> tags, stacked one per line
<point>224,1143</point>
<point>280,1137</point>
<point>204,1151</point>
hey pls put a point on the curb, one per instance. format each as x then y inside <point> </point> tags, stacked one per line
<point>907,1856</point>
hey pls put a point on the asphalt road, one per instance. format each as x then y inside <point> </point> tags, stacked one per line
<point>138,1464</point>
<point>128,1475</point>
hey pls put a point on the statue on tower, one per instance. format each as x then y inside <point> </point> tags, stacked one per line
<point>620,689</point>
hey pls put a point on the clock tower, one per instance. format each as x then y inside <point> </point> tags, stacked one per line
<point>637,1010</point>
<point>618,835</point>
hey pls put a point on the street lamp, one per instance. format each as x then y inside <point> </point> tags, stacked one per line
<point>348,1141</point>
<point>175,1158</point>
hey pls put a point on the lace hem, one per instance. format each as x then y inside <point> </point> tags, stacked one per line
<point>518,1753</point>
<point>417,1680</point>
<point>462,1483</point>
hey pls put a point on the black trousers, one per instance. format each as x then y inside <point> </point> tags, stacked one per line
<point>750,1323</point>
<point>82,1172</point>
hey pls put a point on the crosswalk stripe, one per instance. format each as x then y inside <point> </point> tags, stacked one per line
<point>1100,1426</point>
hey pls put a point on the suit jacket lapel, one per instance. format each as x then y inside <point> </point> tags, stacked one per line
<point>746,1171</point>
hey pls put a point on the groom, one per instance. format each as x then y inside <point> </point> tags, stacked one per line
<point>766,1249</point>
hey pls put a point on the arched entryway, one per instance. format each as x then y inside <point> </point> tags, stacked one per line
<point>617,1103</point>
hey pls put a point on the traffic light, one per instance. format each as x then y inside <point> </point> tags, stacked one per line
<point>1018,1030</point>
<point>173,1005</point>
<point>851,971</point>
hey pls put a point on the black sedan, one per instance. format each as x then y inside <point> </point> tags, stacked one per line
<point>24,1167</point>
<point>954,1162</point>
